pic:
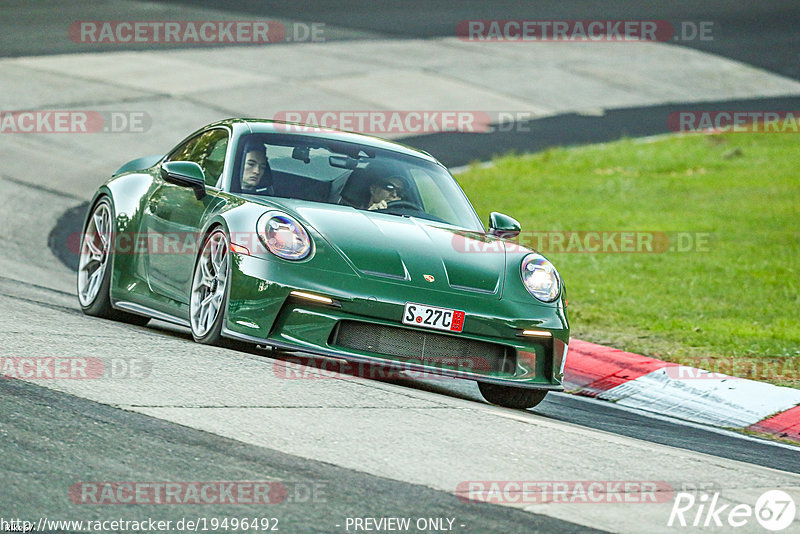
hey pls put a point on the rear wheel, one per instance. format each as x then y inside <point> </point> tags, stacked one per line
<point>95,266</point>
<point>511,397</point>
<point>210,288</point>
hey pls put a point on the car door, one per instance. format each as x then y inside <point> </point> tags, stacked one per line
<point>173,217</point>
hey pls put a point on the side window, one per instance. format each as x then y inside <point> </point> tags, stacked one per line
<point>207,150</point>
<point>215,157</point>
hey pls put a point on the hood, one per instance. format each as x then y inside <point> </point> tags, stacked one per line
<point>407,249</point>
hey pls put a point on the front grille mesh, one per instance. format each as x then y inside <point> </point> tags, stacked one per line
<point>428,347</point>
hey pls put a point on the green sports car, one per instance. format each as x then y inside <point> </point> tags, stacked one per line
<point>327,242</point>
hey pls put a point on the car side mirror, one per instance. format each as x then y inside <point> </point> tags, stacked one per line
<point>185,174</point>
<point>503,226</point>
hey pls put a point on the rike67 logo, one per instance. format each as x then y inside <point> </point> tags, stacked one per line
<point>774,510</point>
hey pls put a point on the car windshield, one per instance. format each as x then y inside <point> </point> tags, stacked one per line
<point>359,176</point>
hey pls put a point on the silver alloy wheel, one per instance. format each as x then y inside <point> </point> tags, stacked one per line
<point>95,248</point>
<point>209,283</point>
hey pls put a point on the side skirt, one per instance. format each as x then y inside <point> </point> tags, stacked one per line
<point>138,309</point>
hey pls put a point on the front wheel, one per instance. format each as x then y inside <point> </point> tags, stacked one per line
<point>511,397</point>
<point>209,288</point>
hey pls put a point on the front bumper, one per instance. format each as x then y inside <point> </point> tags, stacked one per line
<point>364,325</point>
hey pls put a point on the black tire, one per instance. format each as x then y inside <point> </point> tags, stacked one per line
<point>99,304</point>
<point>511,397</point>
<point>213,336</point>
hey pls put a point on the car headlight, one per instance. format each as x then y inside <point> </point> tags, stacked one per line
<point>540,277</point>
<point>284,236</point>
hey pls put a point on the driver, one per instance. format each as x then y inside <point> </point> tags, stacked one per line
<point>384,191</point>
<point>254,171</point>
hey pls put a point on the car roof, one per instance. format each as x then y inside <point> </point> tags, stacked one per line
<point>256,125</point>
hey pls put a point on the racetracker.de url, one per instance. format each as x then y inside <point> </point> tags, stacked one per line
<point>191,524</point>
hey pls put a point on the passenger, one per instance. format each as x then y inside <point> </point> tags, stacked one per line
<point>256,176</point>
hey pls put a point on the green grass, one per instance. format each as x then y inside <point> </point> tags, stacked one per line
<point>735,304</point>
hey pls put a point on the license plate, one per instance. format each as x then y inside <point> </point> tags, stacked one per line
<point>433,317</point>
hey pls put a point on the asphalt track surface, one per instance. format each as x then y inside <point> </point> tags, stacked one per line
<point>763,34</point>
<point>758,33</point>
<point>52,439</point>
<point>39,465</point>
<point>463,148</point>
